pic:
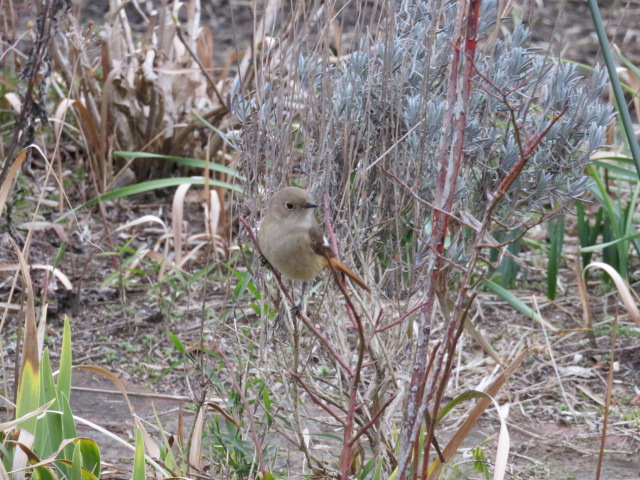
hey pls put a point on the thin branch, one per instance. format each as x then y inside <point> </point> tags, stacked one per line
<point>210,80</point>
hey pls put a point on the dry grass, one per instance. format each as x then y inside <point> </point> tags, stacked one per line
<point>335,98</point>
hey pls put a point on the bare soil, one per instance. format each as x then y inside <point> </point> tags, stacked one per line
<point>126,329</point>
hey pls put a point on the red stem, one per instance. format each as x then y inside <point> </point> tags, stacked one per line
<point>450,153</point>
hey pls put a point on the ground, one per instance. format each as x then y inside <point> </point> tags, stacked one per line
<point>556,396</point>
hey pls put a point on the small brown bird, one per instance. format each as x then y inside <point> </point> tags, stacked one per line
<point>292,241</point>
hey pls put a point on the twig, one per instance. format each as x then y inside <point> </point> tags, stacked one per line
<point>210,80</point>
<point>373,420</point>
<point>607,400</point>
<point>400,320</point>
<point>318,401</point>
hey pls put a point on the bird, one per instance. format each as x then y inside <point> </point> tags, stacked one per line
<point>292,241</point>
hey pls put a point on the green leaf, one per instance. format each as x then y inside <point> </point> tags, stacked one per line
<point>138,460</point>
<point>516,303</point>
<point>630,66</point>
<point>463,397</point>
<point>76,467</point>
<point>241,286</point>
<point>189,162</point>
<point>368,467</point>
<point>148,186</point>
<point>480,464</point>
<point>623,172</point>
<point>90,455</point>
<point>377,473</point>
<point>601,246</point>
<point>60,255</point>
<point>621,103</point>
<point>177,343</point>
<point>224,137</point>
<point>266,400</point>
<point>69,429</point>
<point>28,398</point>
<point>613,224</point>
<point>64,376</point>
<point>43,473</point>
<point>49,426</point>
<point>556,236</point>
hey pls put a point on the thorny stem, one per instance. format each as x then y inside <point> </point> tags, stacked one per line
<point>450,155</point>
<point>488,219</point>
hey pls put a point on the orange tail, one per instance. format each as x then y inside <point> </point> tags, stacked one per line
<point>337,266</point>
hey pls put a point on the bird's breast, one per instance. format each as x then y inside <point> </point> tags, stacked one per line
<point>289,251</point>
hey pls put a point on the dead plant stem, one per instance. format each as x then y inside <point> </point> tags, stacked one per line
<point>607,401</point>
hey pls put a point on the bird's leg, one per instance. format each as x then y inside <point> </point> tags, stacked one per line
<point>304,297</point>
<point>302,306</point>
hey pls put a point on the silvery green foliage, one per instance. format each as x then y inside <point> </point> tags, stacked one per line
<point>389,97</point>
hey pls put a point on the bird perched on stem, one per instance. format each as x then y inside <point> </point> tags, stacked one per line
<point>292,241</point>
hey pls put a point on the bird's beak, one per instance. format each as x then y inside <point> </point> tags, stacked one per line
<point>311,205</point>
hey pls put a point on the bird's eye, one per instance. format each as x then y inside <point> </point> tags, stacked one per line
<point>289,206</point>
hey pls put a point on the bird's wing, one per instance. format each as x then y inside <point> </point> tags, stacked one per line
<point>320,246</point>
<point>318,242</point>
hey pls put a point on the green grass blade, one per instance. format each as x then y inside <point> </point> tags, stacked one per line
<point>623,172</point>
<point>90,455</point>
<point>602,246</point>
<point>69,429</point>
<point>463,397</point>
<point>224,137</point>
<point>597,228</point>
<point>49,426</point>
<point>148,186</point>
<point>556,237</point>
<point>635,70</point>
<point>64,375</point>
<point>584,232</point>
<point>189,162</point>
<point>630,222</point>
<point>138,460</point>
<point>76,468</point>
<point>42,473</point>
<point>621,103</point>
<point>516,303</point>
<point>613,224</point>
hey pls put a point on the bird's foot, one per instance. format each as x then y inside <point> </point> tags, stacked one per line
<point>297,309</point>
